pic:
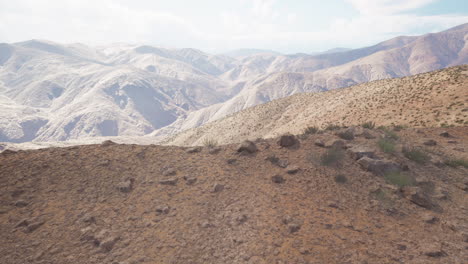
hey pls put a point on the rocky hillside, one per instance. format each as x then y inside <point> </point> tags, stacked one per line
<point>431,99</point>
<point>58,92</point>
<point>351,195</point>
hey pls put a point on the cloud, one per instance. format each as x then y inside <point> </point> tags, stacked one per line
<point>239,24</point>
<point>378,7</point>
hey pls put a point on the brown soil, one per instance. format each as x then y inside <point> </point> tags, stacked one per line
<point>114,203</point>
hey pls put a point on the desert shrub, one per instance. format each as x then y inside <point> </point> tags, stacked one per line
<point>311,130</point>
<point>347,135</point>
<point>389,133</point>
<point>416,155</point>
<point>210,142</point>
<point>332,127</point>
<point>368,125</point>
<point>386,145</point>
<point>399,179</point>
<point>456,163</point>
<point>332,157</point>
<point>340,178</point>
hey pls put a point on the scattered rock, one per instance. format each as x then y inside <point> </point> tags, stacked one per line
<point>379,167</point>
<point>292,169</point>
<point>423,200</point>
<point>22,222</point>
<point>108,143</point>
<point>31,227</point>
<point>320,143</point>
<point>169,172</point>
<point>358,152</point>
<point>401,247</point>
<point>214,150</point>
<point>194,150</point>
<point>21,203</point>
<point>247,146</point>
<point>288,140</point>
<point>217,187</point>
<point>339,144</point>
<point>169,181</point>
<point>125,186</point>
<point>430,142</point>
<point>429,218</point>
<point>452,142</point>
<point>241,219</point>
<point>88,219</point>
<point>190,180</point>
<point>346,134</point>
<point>434,251</point>
<point>293,227</point>
<point>108,243</point>
<point>278,179</point>
<point>445,134</point>
<point>368,135</point>
<point>231,161</point>
<point>162,209</point>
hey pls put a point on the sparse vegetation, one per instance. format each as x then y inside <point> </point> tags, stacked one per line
<point>386,145</point>
<point>457,163</point>
<point>332,127</point>
<point>416,155</point>
<point>210,142</point>
<point>399,179</point>
<point>340,178</point>
<point>368,125</point>
<point>332,157</point>
<point>311,130</point>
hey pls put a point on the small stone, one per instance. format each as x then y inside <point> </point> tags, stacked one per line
<point>214,150</point>
<point>162,210</point>
<point>368,135</point>
<point>379,167</point>
<point>88,218</point>
<point>190,180</point>
<point>169,172</point>
<point>320,143</point>
<point>169,181</point>
<point>424,201</point>
<point>247,146</point>
<point>292,169</point>
<point>452,142</point>
<point>217,187</point>
<point>333,204</point>
<point>194,150</point>
<point>430,219</point>
<point>107,244</point>
<point>401,247</point>
<point>21,203</point>
<point>33,226</point>
<point>23,222</point>
<point>358,152</point>
<point>241,219</point>
<point>283,163</point>
<point>436,253</point>
<point>231,161</point>
<point>339,144</point>
<point>278,179</point>
<point>206,224</point>
<point>430,142</point>
<point>444,134</point>
<point>288,140</point>
<point>125,186</point>
<point>293,227</point>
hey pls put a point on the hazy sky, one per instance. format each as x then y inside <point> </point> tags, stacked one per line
<point>219,25</point>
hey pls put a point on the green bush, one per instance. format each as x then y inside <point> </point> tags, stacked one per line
<point>310,130</point>
<point>386,145</point>
<point>332,157</point>
<point>209,142</point>
<point>368,125</point>
<point>456,163</point>
<point>416,155</point>
<point>399,179</point>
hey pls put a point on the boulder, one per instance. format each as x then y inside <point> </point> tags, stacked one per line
<point>169,181</point>
<point>288,140</point>
<point>358,152</point>
<point>278,179</point>
<point>194,150</point>
<point>217,188</point>
<point>320,143</point>
<point>430,142</point>
<point>108,143</point>
<point>444,134</point>
<point>247,146</point>
<point>292,169</point>
<point>378,167</point>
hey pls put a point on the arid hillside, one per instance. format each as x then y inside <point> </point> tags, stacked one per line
<point>345,196</point>
<point>431,99</point>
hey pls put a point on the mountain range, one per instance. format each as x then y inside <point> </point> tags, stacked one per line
<point>57,92</point>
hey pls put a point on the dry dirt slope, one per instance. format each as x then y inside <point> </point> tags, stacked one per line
<point>429,99</point>
<point>131,204</point>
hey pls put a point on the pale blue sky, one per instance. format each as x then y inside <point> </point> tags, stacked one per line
<point>287,26</point>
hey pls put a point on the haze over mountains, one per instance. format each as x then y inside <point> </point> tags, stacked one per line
<point>55,92</point>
